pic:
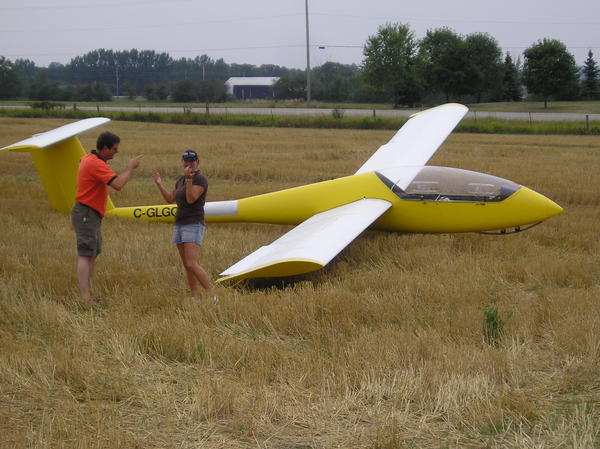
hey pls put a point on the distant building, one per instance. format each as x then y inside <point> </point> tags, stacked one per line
<point>251,87</point>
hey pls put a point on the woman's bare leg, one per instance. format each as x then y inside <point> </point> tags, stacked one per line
<point>189,253</point>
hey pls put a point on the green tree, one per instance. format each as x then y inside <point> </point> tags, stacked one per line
<point>366,93</point>
<point>10,84</point>
<point>183,91</point>
<point>56,72</point>
<point>128,89</point>
<point>291,86</point>
<point>94,66</point>
<point>44,90</point>
<point>339,89</point>
<point>335,81</point>
<point>162,91</point>
<point>27,72</point>
<point>115,69</point>
<point>447,63</point>
<point>271,70</point>
<point>100,92</point>
<point>549,70</point>
<point>392,62</point>
<point>156,92</point>
<point>590,82</point>
<point>150,93</point>
<point>511,86</point>
<point>141,68</point>
<point>92,92</point>
<point>198,68</point>
<point>221,70</point>
<point>243,70</point>
<point>484,69</point>
<point>211,90</point>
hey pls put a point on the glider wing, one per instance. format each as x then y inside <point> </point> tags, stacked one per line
<point>418,139</point>
<point>310,245</point>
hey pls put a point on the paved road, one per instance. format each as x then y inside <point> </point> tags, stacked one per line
<point>529,116</point>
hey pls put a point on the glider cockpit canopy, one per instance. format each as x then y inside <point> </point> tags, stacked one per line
<point>430,183</point>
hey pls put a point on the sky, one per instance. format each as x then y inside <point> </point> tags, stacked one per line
<point>274,31</point>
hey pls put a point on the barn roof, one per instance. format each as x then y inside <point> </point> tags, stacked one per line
<point>252,80</point>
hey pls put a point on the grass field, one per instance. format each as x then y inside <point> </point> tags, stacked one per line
<point>403,341</point>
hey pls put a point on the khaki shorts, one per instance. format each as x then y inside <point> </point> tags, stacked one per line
<point>87,223</point>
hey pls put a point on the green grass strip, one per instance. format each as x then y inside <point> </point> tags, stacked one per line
<point>485,126</point>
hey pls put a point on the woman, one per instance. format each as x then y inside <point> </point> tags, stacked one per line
<point>189,194</point>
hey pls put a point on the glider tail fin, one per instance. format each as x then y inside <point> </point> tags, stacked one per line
<point>57,168</point>
<point>56,155</point>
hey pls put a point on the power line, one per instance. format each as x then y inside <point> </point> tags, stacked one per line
<point>264,47</point>
<point>138,27</point>
<point>414,19</point>
<point>572,47</point>
<point>90,5</point>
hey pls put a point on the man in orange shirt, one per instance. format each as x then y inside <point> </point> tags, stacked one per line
<point>93,178</point>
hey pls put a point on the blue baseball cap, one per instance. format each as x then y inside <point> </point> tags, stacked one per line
<point>189,154</point>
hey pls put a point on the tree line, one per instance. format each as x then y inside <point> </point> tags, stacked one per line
<point>397,68</point>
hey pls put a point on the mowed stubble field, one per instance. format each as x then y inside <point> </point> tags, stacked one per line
<point>384,348</point>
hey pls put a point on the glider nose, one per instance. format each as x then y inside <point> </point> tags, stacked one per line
<point>535,206</point>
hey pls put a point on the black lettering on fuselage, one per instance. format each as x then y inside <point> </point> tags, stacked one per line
<point>155,212</point>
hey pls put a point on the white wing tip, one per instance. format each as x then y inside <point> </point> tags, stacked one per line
<point>53,136</point>
<point>446,105</point>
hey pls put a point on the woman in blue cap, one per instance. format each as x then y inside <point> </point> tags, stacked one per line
<point>190,195</point>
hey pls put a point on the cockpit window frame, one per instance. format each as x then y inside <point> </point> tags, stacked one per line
<point>507,188</point>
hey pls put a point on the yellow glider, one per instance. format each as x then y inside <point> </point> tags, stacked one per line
<point>393,190</point>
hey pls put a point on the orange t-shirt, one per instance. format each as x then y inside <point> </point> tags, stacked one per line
<point>93,178</point>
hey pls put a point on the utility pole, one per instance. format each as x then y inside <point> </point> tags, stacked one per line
<point>307,55</point>
<point>117,76</point>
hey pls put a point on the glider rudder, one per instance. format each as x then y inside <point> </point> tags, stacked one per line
<point>56,155</point>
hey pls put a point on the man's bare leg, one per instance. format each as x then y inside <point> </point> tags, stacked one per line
<point>85,271</point>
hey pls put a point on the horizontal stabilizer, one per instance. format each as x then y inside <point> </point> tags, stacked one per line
<point>310,245</point>
<point>49,138</point>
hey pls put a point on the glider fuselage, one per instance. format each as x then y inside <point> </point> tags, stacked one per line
<point>438,202</point>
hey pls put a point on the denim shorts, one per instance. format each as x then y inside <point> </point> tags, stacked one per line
<point>188,233</point>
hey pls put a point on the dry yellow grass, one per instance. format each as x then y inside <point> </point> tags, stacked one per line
<point>384,348</point>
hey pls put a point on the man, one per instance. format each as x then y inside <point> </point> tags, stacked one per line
<point>93,178</point>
